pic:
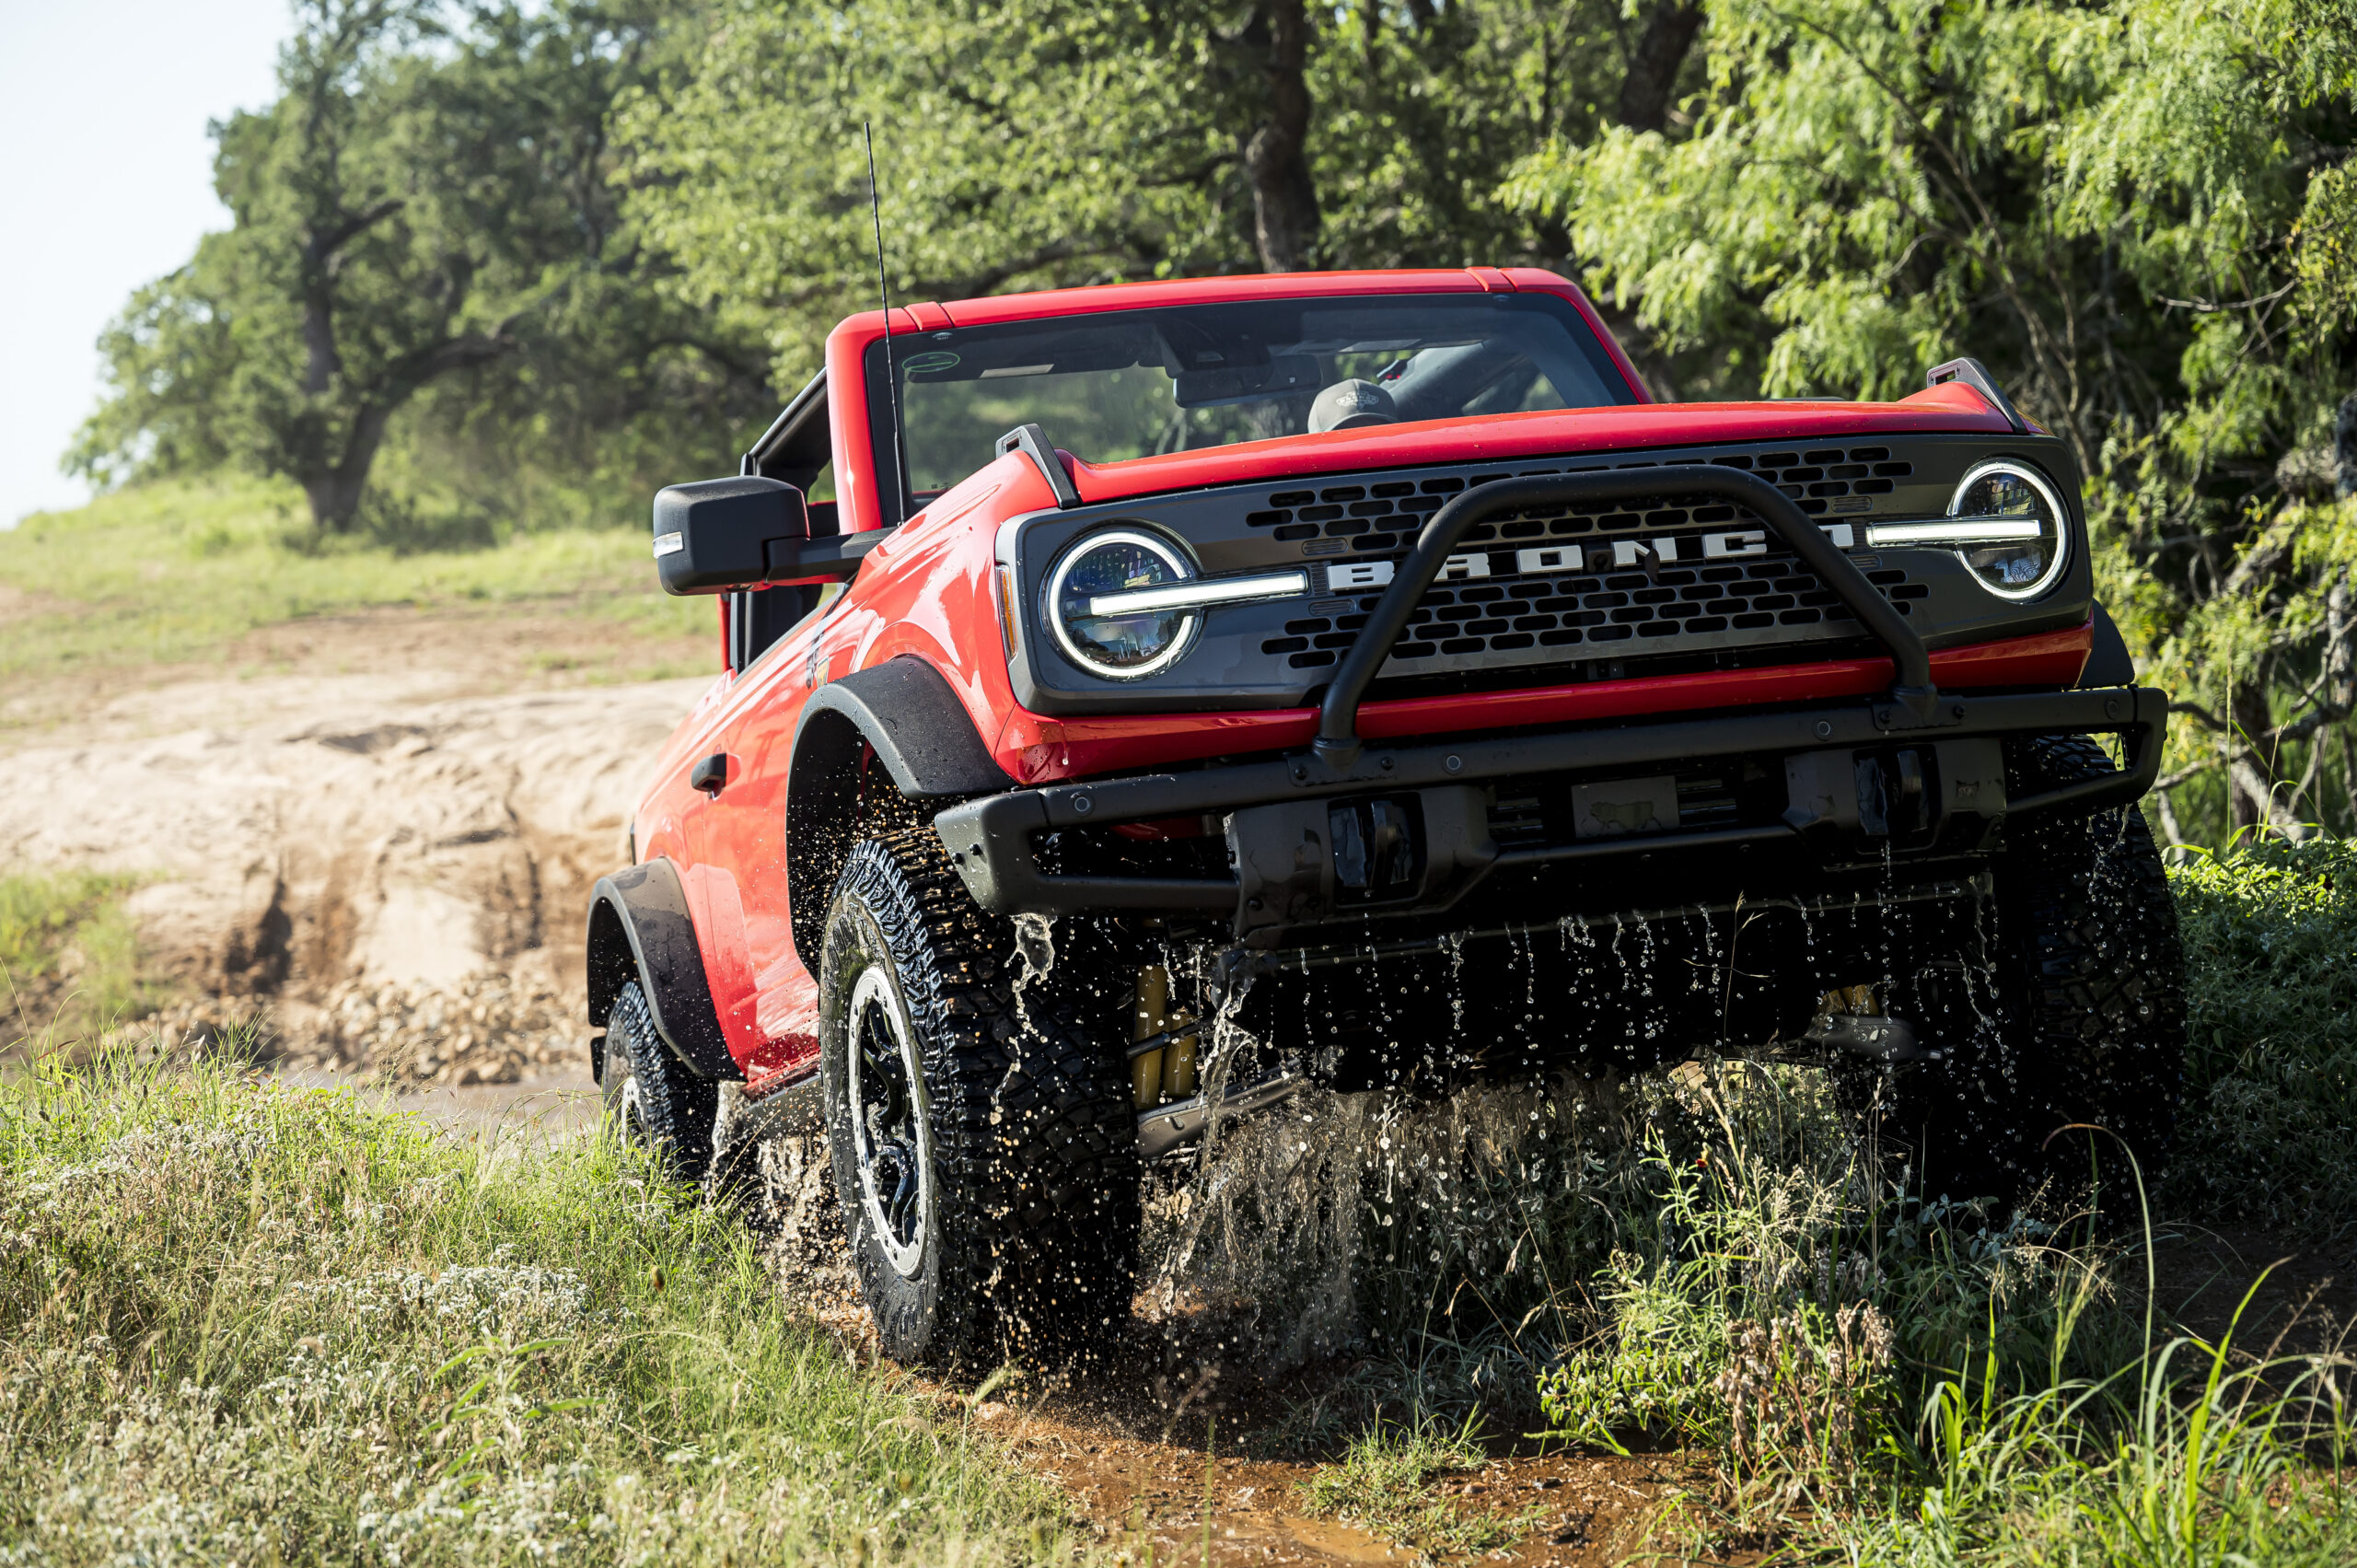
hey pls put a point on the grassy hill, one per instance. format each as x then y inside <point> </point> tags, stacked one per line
<point>177,572</point>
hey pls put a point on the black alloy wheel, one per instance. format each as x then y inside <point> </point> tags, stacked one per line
<point>891,1139</point>
<point>984,1150</point>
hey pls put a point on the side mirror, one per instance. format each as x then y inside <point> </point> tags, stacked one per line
<point>718,534</point>
<point>713,535</point>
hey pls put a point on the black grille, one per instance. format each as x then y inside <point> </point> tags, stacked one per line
<point>1548,584</point>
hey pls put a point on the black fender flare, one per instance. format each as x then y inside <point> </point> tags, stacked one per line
<point>640,929</point>
<point>904,710</point>
<point>2108,663</point>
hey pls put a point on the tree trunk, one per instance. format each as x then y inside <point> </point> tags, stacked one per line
<point>1285,200</point>
<point>1651,77</point>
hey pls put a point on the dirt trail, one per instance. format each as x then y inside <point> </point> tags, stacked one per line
<point>437,813</point>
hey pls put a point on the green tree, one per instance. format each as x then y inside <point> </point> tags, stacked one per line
<point>428,200</point>
<point>1025,144</point>
<point>2139,213</point>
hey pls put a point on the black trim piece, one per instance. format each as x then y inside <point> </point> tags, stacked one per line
<point>830,555</point>
<point>905,709</point>
<point>786,439</point>
<point>1975,375</point>
<point>2108,663</point>
<point>990,839</point>
<point>1338,743</point>
<point>1651,843</point>
<point>1033,443</point>
<point>651,908</point>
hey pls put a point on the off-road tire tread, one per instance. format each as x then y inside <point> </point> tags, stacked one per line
<point>2091,1003</point>
<point>679,1106</point>
<point>1035,1143</point>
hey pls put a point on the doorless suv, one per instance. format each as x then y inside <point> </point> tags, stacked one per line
<point>1140,701</point>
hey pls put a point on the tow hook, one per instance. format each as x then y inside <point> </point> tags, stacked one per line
<point>1174,1126</point>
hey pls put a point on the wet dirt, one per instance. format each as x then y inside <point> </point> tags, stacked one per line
<point>1173,1500</point>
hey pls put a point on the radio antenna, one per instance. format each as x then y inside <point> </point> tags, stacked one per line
<point>891,376</point>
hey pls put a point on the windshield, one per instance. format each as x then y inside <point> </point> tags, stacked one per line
<point>1128,384</point>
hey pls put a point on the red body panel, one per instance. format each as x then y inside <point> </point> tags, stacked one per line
<point>927,593</point>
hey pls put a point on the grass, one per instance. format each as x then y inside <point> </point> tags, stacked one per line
<point>1891,1382</point>
<point>1383,1484</point>
<point>174,571</point>
<point>68,952</point>
<point>242,1323</point>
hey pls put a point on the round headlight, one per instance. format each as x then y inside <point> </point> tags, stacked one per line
<point>1086,608</point>
<point>2020,551</point>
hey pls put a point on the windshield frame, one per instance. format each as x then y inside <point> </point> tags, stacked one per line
<point>886,415</point>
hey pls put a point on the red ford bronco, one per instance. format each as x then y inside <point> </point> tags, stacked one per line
<point>1141,701</point>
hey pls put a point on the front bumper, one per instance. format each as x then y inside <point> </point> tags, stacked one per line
<point>1282,856</point>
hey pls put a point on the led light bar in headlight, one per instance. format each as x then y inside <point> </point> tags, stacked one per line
<point>1976,530</point>
<point>1198,595</point>
<point>2004,522</point>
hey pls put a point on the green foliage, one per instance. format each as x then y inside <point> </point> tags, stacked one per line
<point>176,570</point>
<point>1383,1484</point>
<point>1882,1382</point>
<point>1025,144</point>
<point>425,209</point>
<point>68,955</point>
<point>2270,941</point>
<point>244,1322</point>
<point>1786,1304</point>
<point>2138,212</point>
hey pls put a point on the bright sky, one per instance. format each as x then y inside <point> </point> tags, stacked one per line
<point>107,183</point>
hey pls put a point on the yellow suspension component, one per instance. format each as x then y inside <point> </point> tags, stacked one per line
<point>1153,1006</point>
<point>1167,1071</point>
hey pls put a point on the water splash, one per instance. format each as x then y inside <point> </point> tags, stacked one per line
<point>1351,1218</point>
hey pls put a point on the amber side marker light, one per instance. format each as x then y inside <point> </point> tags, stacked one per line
<point>1009,635</point>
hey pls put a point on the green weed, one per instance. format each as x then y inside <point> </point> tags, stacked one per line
<point>2270,1092</point>
<point>1383,1484</point>
<point>240,1323</point>
<point>68,952</point>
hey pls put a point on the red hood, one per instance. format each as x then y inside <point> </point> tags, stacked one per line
<point>1953,407</point>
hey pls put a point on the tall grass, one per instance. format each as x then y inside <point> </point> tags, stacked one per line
<point>243,1323</point>
<point>69,957</point>
<point>1891,1381</point>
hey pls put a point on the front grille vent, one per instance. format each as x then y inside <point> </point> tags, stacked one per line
<point>1376,516</point>
<point>1589,599</point>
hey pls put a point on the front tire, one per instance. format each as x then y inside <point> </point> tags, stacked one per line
<point>983,1146</point>
<point>2087,1026</point>
<point>652,1101</point>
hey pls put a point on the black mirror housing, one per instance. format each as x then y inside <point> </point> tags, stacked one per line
<point>717,534</point>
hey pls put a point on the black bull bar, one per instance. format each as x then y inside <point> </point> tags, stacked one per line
<point>990,839</point>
